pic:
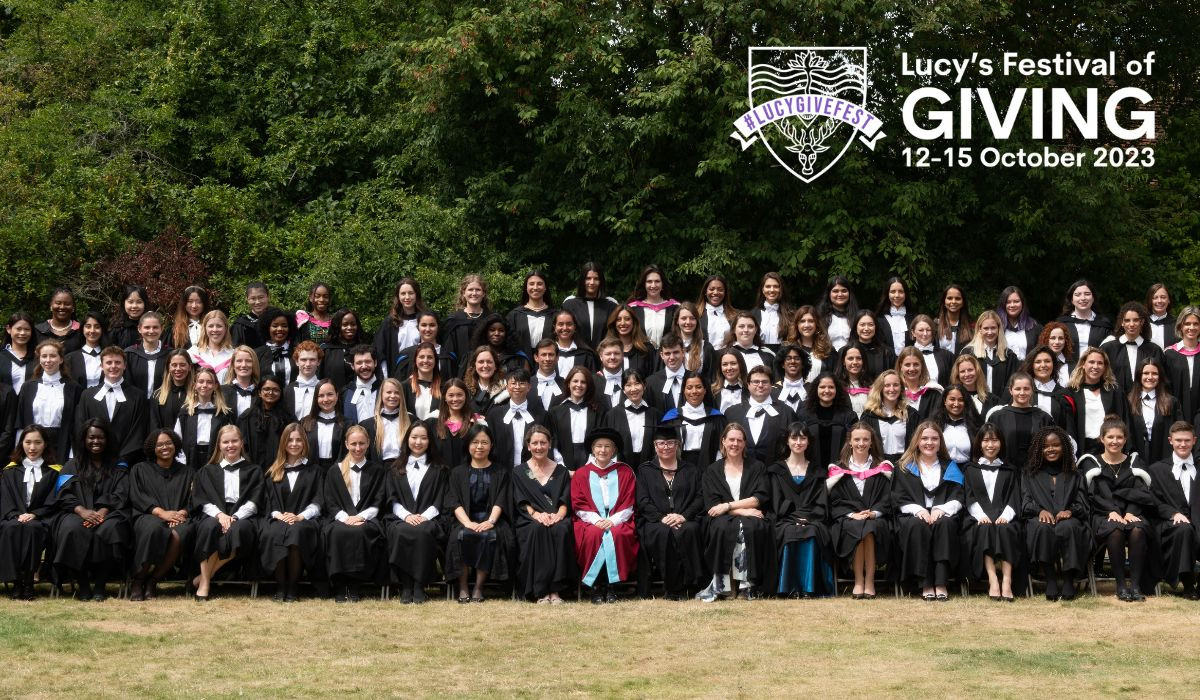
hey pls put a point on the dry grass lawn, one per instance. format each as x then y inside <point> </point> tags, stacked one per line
<point>234,646</point>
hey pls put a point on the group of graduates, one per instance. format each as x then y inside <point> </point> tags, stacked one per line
<point>728,452</point>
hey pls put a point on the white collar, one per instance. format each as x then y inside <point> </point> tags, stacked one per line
<point>630,404</point>
<point>542,379</point>
<point>770,307</point>
<point>51,379</point>
<point>1045,386</point>
<point>206,404</point>
<point>413,462</point>
<point>718,310</point>
<point>33,463</point>
<point>514,407</point>
<point>1137,340</point>
<point>793,384</point>
<point>327,414</point>
<point>897,311</point>
<point>307,383</point>
<point>1178,463</point>
<point>677,373</point>
<point>990,462</point>
<point>693,411</point>
<point>361,385</point>
<point>109,385</point>
<point>226,463</point>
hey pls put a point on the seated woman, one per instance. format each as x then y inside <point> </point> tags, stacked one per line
<point>541,496</point>
<point>669,506</point>
<point>740,544</point>
<point>225,503</point>
<point>92,530</point>
<point>354,540</point>
<point>1121,504</point>
<point>800,502</point>
<point>991,533</point>
<point>1054,508</point>
<point>416,529</point>
<point>160,493</point>
<point>480,538</point>
<point>290,538</point>
<point>603,499</point>
<point>859,507</point>
<point>26,507</point>
<point>928,494</point>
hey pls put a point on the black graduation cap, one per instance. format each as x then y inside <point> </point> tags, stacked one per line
<point>667,431</point>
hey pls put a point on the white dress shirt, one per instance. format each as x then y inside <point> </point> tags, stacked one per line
<point>33,474</point>
<point>355,490</point>
<point>838,331</point>
<point>110,396</point>
<point>517,417</point>
<point>91,367</point>
<point>989,483</point>
<point>931,477</point>
<point>303,392</point>
<point>1184,471</point>
<point>637,426</point>
<point>310,511</point>
<point>48,401</point>
<point>325,435</point>
<point>415,474</point>
<point>768,330</point>
<point>693,435</point>
<point>897,320</point>
<point>233,491</point>
<point>717,324</point>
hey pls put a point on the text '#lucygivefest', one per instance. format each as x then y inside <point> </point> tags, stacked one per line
<point>750,123</point>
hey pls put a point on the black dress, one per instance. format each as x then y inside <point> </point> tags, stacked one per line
<point>675,552</point>
<point>1066,540</point>
<point>1017,426</point>
<point>209,488</point>
<point>477,491</point>
<point>355,551</point>
<point>21,544</point>
<point>727,530</point>
<point>1001,542</point>
<point>827,431</point>
<point>261,429</point>
<point>844,499</point>
<point>276,536</point>
<point>928,552</point>
<point>152,487</point>
<point>77,547</point>
<point>1122,488</point>
<point>800,509</point>
<point>1180,543</point>
<point>414,550</point>
<point>547,562</point>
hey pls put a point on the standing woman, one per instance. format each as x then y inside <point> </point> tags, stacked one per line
<point>453,421</point>
<point>203,414</point>
<point>1048,395</point>
<point>603,497</point>
<point>485,380</point>
<point>928,494</point>
<point>275,354</point>
<point>772,313</point>
<point>168,398</point>
<point>398,330</point>
<point>214,350</point>
<point>590,305</point>
<point>124,329</point>
<point>314,321</point>
<point>1152,412</point>
<point>227,499</point>
<point>1131,347</point>
<point>988,346</point>
<point>745,340</point>
<point>263,423</point>
<point>938,360</point>
<point>836,310</point>
<point>1054,506</point>
<point>1121,504</point>
<point>541,497</point>
<point>864,334</point>
<point>700,423</point>
<point>697,351</point>
<point>740,543</point>
<point>572,350</point>
<point>1162,323</point>
<point>731,386</point>
<point>1095,393</point>
<point>792,370</point>
<point>652,304</point>
<point>84,363</point>
<point>15,360</point>
<point>346,333</point>
<point>888,415</point>
<point>715,311</point>
<point>953,328</point>
<point>160,492</point>
<point>895,317</point>
<point>423,386</point>
<point>808,332</point>
<point>530,322</point>
<point>325,426</point>
<point>633,420</point>
<point>354,493</point>
<point>241,382</point>
<point>26,507</point>
<point>471,306</point>
<point>1021,331</point>
<point>1019,420</point>
<point>922,393</point>
<point>669,529</point>
<point>187,326</point>
<point>1056,337</point>
<point>623,325</point>
<point>92,532</point>
<point>145,363</point>
<point>415,491</point>
<point>800,503</point>
<point>61,325</point>
<point>388,423</point>
<point>50,399</point>
<point>290,538</point>
<point>968,373</point>
<point>573,418</point>
<point>428,332</point>
<point>492,333</point>
<point>991,533</point>
<point>958,420</point>
<point>480,538</point>
<point>1086,327</point>
<point>1180,359</point>
<point>855,377</point>
<point>860,495</point>
<point>827,415</point>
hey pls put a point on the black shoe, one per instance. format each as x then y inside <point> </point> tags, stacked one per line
<point>1136,595</point>
<point>598,595</point>
<point>342,596</point>
<point>100,595</point>
<point>201,598</point>
<point>1191,595</point>
<point>353,594</point>
<point>675,597</point>
<point>753,593</point>
<point>406,594</point>
<point>83,592</point>
<point>611,596</point>
<point>279,596</point>
<point>1125,595</point>
<point>418,594</point>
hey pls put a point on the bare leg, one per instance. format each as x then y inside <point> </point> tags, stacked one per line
<point>989,565</point>
<point>209,568</point>
<point>1006,581</point>
<point>857,567</point>
<point>868,545</point>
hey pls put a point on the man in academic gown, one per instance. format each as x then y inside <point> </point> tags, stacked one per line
<point>1175,486</point>
<point>608,377</point>
<point>664,388</point>
<point>765,420</point>
<point>122,407</point>
<point>358,398</point>
<point>510,420</point>
<point>603,497</point>
<point>546,384</point>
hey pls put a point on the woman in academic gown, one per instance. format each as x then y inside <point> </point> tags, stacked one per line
<point>745,341</point>
<point>957,419</point>
<point>493,334</point>
<point>573,350</point>
<point>740,542</point>
<point>263,422</point>
<point>472,305</point>
<point>203,414</point>
<point>124,329</point>
<point>1054,506</point>
<point>853,374</point>
<point>1019,420</point>
<point>61,325</point>
<point>1021,330</point>
<point>26,510</point>
<point>398,329</point>
<point>480,538</point>
<point>278,327</point>
<point>953,329</point>
<point>827,416</point>
<point>485,380</point>
<point>238,391</point>
<point>889,416</point>
<point>1048,395</point>
<point>697,351</point>
<point>17,359</point>
<point>325,426</point>
<point>894,314</point>
<point>938,360</point>
<point>1122,504</point>
<point>603,500</point>
<point>445,363</point>
<point>991,533</point>
<point>1056,337</point>
<point>652,303</point>
<point>353,498</point>
<point>1162,323</point>
<point>669,525</point>
<point>290,538</point>
<point>837,309</point>
<point>227,502</point>
<point>50,399</point>
<point>573,418</point>
<point>968,373</point>
<point>700,424</point>
<point>989,347</point>
<point>92,530</point>
<point>423,385</point>
<point>715,310</point>
<point>1086,327</point>
<point>771,311</point>
<point>452,422</point>
<point>1152,412</point>
<point>589,305</point>
<point>864,334</point>
<point>160,492</point>
<point>541,500</point>
<point>415,491</point>
<point>623,324</point>
<point>1093,389</point>
<point>1176,491</point>
<point>1131,346</point>
<point>921,392</point>
<point>389,422</point>
<point>145,363</point>
<point>928,496</point>
<point>531,321</point>
<point>860,506</point>
<point>730,386</point>
<point>84,364</point>
<point>1180,358</point>
<point>347,334</point>
<point>186,328</point>
<point>168,398</point>
<point>800,503</point>
<point>315,321</point>
<point>633,420</point>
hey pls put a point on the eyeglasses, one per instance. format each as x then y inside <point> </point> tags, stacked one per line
<point>759,381</point>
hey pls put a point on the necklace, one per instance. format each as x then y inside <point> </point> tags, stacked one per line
<point>58,330</point>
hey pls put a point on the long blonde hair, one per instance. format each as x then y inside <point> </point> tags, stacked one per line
<point>914,445</point>
<point>191,401</point>
<point>163,393</point>
<point>202,344</point>
<point>254,372</point>
<point>981,391</point>
<point>346,463</point>
<point>404,420</point>
<point>216,455</point>
<point>275,471</point>
<point>874,404</point>
<point>976,344</point>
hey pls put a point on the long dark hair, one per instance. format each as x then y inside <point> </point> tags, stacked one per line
<point>885,304</point>
<point>796,428</point>
<point>587,267</point>
<point>433,456</point>
<point>841,400</point>
<point>825,308</point>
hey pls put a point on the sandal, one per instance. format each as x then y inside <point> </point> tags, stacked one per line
<point>544,600</point>
<point>462,599</point>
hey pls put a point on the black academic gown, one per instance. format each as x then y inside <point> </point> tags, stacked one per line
<point>844,499</point>
<point>195,453</point>
<point>346,399</point>
<point>414,550</point>
<point>922,545</point>
<point>1062,410</point>
<point>78,367</point>
<point>1114,402</point>
<point>616,419</point>
<point>456,336</point>
<point>646,362</point>
<point>1002,367</point>
<point>594,331</point>
<point>277,360</point>
<point>453,448</point>
<point>387,345</point>
<point>137,368</point>
<point>883,330</point>
<point>517,321</point>
<point>546,562</point>
<point>337,442</point>
<point>208,487</point>
<point>1067,540</point>
<point>877,356</point>
<point>505,440</point>
<point>1125,490</point>
<point>244,331</point>
<point>1001,542</point>
<point>447,363</point>
<point>150,487</point>
<point>60,436</point>
<point>911,421</point>
<point>944,360</point>
<point>493,551</point>
<point>129,423</point>
<point>711,425</point>
<point>765,447</point>
<point>1180,544</point>
<point>9,414</point>
<point>1168,324</point>
<point>1100,328</point>
<point>675,552</point>
<point>579,356</point>
<point>828,429</point>
<point>336,365</point>
<point>1118,359</point>
<point>7,360</point>
<point>722,531</point>
<point>77,547</point>
<point>800,510</point>
<point>658,391</point>
<point>1017,426</point>
<point>261,430</point>
<point>356,551</point>
<point>1185,384</point>
<point>72,340</point>
<point>1158,447</point>
<point>231,392</point>
<point>164,415</point>
<point>21,544</point>
<point>558,419</point>
<point>275,537</point>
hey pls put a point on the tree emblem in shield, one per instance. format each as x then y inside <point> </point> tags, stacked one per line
<point>807,104</point>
